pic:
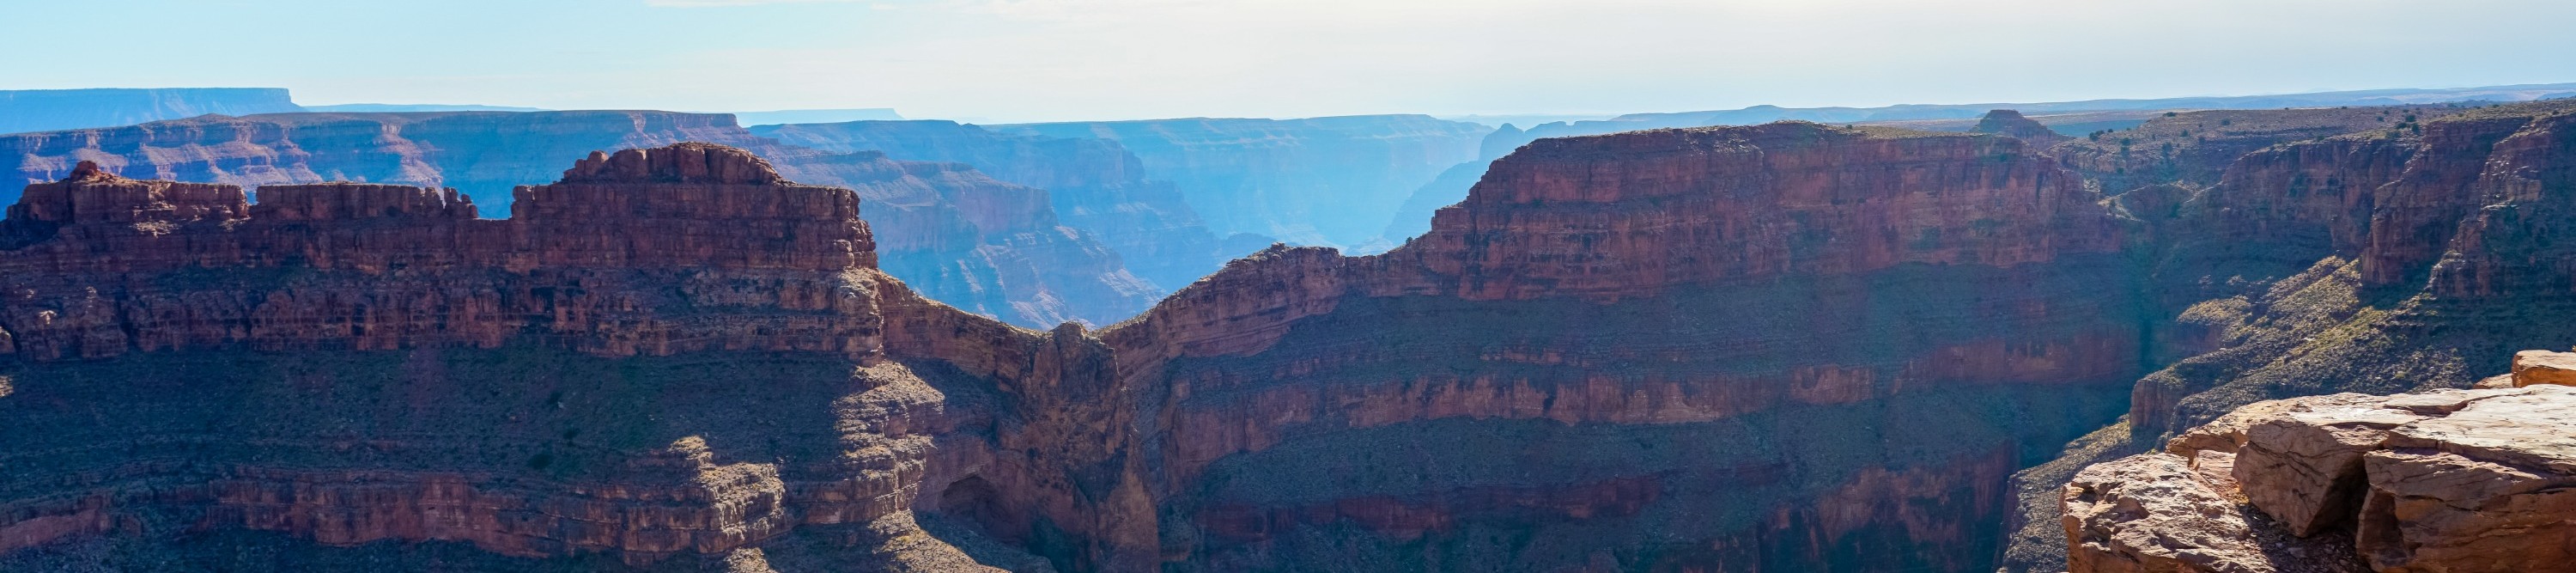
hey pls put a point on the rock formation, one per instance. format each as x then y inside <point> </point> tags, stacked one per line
<point>2011,123</point>
<point>2452,480</point>
<point>44,110</point>
<point>2377,261</point>
<point>1316,181</point>
<point>980,244</point>
<point>677,355</point>
<point>1331,411</point>
<point>671,353</point>
<point>1782,347</point>
<point>1096,185</point>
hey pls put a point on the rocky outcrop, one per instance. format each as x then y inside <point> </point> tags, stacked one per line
<point>45,110</point>
<point>980,244</point>
<point>347,364</point>
<point>2454,480</point>
<point>2317,267</point>
<point>2543,367</point>
<point>1096,185</point>
<point>2011,123</point>
<point>1317,181</point>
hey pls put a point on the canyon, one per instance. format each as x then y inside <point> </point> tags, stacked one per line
<point>1095,184</point>
<point>1324,181</point>
<point>975,242</point>
<point>1789,346</point>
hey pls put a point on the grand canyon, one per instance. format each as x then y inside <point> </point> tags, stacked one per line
<point>2294,333</point>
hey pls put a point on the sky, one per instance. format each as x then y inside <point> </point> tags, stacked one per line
<point>1051,60</point>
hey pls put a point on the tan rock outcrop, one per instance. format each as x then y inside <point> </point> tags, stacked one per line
<point>2452,481</point>
<point>2154,513</point>
<point>2544,367</point>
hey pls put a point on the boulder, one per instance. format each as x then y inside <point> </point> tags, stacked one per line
<point>2544,367</point>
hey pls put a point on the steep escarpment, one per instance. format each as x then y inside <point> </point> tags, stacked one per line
<point>1319,181</point>
<point>1096,185</point>
<point>43,110</point>
<point>1650,350</point>
<point>982,244</point>
<point>2428,268</point>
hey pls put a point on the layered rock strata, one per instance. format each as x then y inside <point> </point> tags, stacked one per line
<point>2367,262</point>
<point>978,243</point>
<point>2454,480</point>
<point>349,364</point>
<point>1538,384</point>
<point>1675,310</point>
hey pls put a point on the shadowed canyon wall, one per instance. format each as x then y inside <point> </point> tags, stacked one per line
<point>981,244</point>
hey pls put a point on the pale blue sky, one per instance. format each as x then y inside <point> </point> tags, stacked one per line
<point>1021,60</point>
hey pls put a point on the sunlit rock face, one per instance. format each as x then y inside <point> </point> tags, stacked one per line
<point>2452,480</point>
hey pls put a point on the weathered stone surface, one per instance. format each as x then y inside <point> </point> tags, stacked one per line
<point>2451,480</point>
<point>2152,512</point>
<point>2483,488</point>
<point>2302,463</point>
<point>2544,367</point>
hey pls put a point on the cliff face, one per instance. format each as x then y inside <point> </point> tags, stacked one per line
<point>1664,339</point>
<point>347,364</point>
<point>2430,252</point>
<point>1321,181</point>
<point>1522,390</point>
<point>982,244</point>
<point>1096,185</point>
<point>44,110</point>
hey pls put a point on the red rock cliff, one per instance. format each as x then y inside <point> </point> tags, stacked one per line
<point>1615,294</point>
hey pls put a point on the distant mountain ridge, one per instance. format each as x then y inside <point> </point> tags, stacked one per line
<point>45,110</point>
